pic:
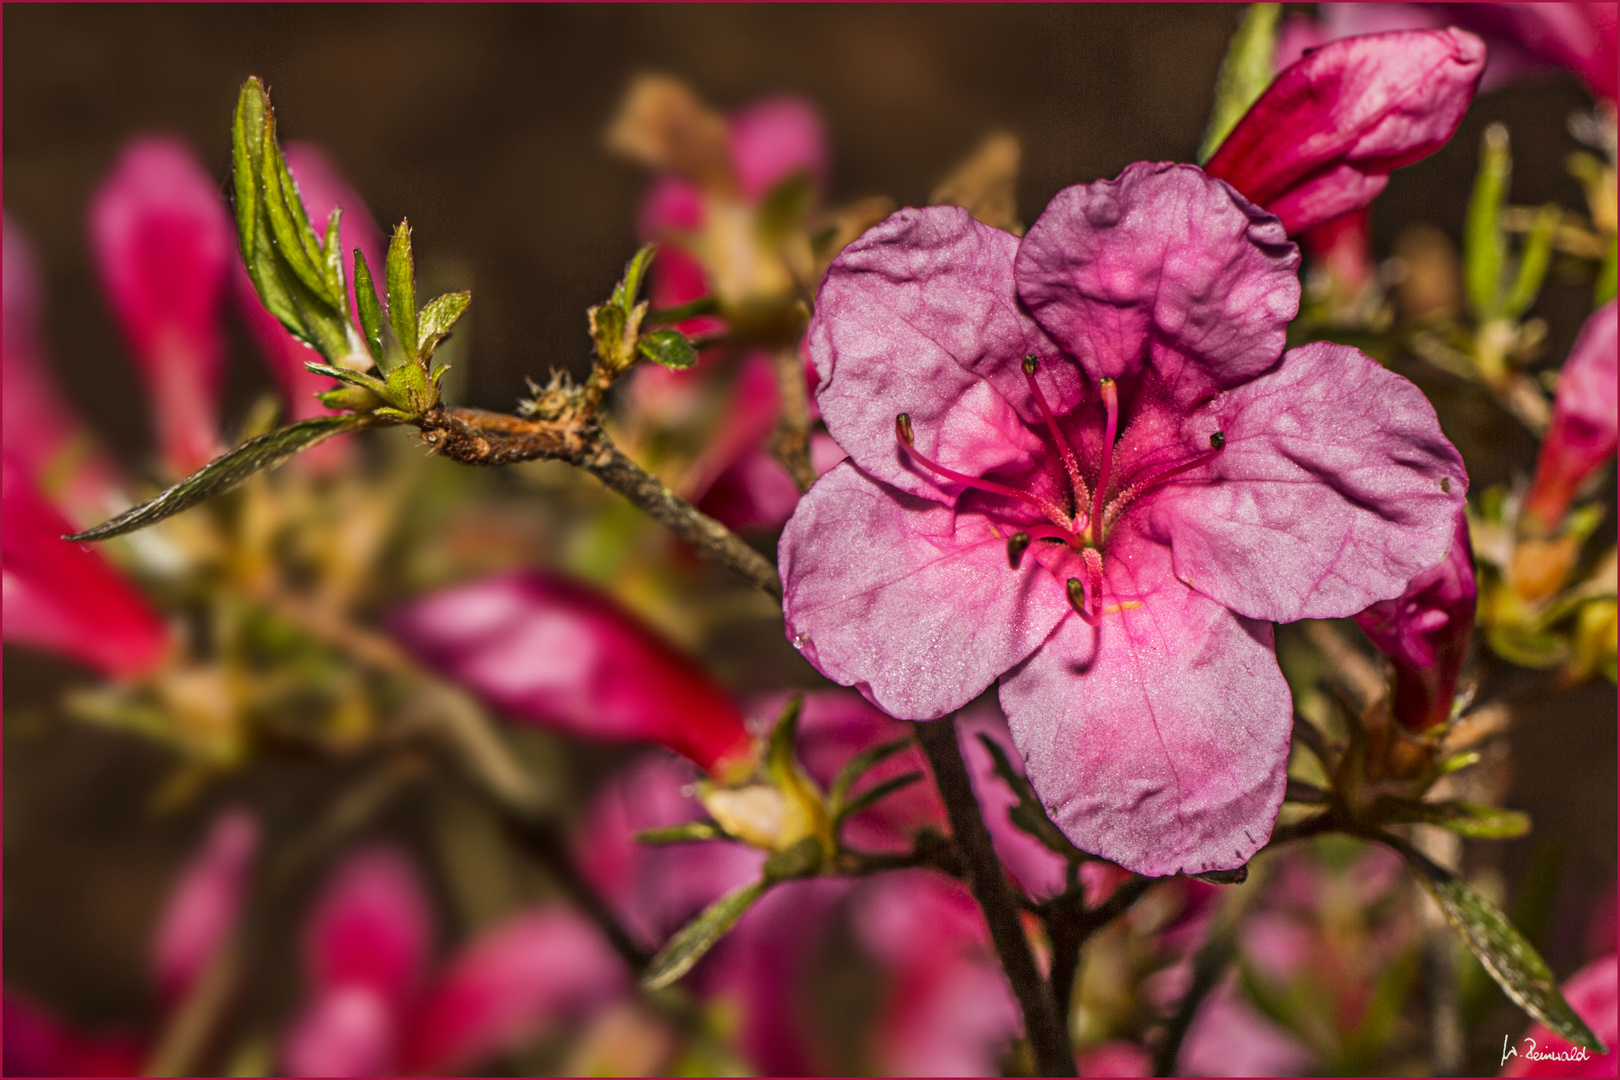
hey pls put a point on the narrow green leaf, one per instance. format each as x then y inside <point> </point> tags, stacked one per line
<point>668,347</point>
<point>700,935</point>
<point>402,288</point>
<point>785,205</point>
<point>779,757</point>
<point>247,128</point>
<point>353,378</point>
<point>703,305</point>
<point>410,389</point>
<point>1533,262</point>
<point>291,237</point>
<point>877,792</point>
<point>1502,950</point>
<point>435,320</point>
<point>680,834</point>
<point>1028,815</point>
<point>372,319</point>
<point>629,286</point>
<point>226,472</point>
<point>1462,818</point>
<point>1245,74</point>
<point>858,766</point>
<point>1484,246</point>
<point>332,254</point>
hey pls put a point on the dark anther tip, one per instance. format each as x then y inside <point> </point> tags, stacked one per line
<point>1077,594</point>
<point>1217,440</point>
<point>1030,364</point>
<point>1016,543</point>
<point>902,428</point>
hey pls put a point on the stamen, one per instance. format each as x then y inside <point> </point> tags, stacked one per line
<point>1110,396</point>
<point>1080,601</point>
<point>1085,593</point>
<point>1216,442</point>
<point>1070,462</point>
<point>903,432</point>
<point>1016,544</point>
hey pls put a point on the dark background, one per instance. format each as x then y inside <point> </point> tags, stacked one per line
<point>484,125</point>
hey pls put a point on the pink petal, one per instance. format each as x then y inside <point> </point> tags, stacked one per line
<point>655,889</point>
<point>1229,1038</point>
<point>1335,488</point>
<point>906,600</point>
<point>164,243</point>
<point>1324,137</point>
<point>774,139</point>
<point>203,906</point>
<point>1116,1057</point>
<point>67,598</point>
<point>1580,37</point>
<point>754,407</point>
<point>372,928</point>
<point>516,981</point>
<point>756,494</point>
<point>1425,632</point>
<point>919,316</point>
<point>350,1029</point>
<point>1158,740</point>
<point>1582,435</point>
<point>559,653</point>
<point>1038,870</point>
<point>1162,268</point>
<point>1591,992</point>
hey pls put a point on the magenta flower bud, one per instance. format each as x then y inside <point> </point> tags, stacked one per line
<point>203,906</point>
<point>1425,632</point>
<point>1592,993</point>
<point>1324,137</point>
<point>67,598</point>
<point>163,239</point>
<point>558,653</point>
<point>1582,435</point>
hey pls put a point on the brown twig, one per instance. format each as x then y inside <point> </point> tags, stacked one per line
<point>1070,926</point>
<point>1048,1034</point>
<point>791,442</point>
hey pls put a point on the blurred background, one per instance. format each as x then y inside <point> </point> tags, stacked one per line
<point>485,126</point>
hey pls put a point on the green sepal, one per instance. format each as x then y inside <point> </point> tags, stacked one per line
<point>878,792</point>
<point>1509,959</point>
<point>668,347</point>
<point>226,472</point>
<point>697,937</point>
<point>435,320</point>
<point>858,766</point>
<point>410,389</point>
<point>402,288</point>
<point>1245,73</point>
<point>799,859</point>
<point>1484,246</point>
<point>780,764</point>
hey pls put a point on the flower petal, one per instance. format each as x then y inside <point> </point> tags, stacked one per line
<point>919,316</point>
<point>1335,488</point>
<point>372,928</point>
<point>1038,870</point>
<point>1323,138</point>
<point>1158,740</point>
<point>774,139</point>
<point>906,600</point>
<point>347,1030</point>
<point>203,905</point>
<point>1162,268</point>
<point>1582,434</point>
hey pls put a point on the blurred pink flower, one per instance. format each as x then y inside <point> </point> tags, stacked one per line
<point>38,1044</point>
<point>1246,487</point>
<point>67,598</point>
<point>1582,435</point>
<point>1228,1037</point>
<point>556,652</point>
<point>203,904</point>
<point>164,243</point>
<point>1425,632</point>
<point>1591,992</point>
<point>1323,138</point>
<point>1116,1057</point>
<point>372,1009</point>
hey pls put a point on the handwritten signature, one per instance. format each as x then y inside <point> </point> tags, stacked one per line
<point>1530,1053</point>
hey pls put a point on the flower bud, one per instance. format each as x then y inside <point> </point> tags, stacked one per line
<point>1582,435</point>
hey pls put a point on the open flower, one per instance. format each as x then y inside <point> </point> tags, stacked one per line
<point>1582,435</point>
<point>1107,503</point>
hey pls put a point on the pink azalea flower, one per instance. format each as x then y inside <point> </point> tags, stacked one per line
<point>1425,632</point>
<point>552,651</point>
<point>204,904</point>
<point>41,431</point>
<point>67,598</point>
<point>1163,479</point>
<point>322,189</point>
<point>372,1009</point>
<point>164,243</point>
<point>1324,137</point>
<point>1591,992</point>
<point>1582,435</point>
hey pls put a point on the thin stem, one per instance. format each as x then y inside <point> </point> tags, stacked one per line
<point>1048,1034</point>
<point>791,442</point>
<point>1070,926</point>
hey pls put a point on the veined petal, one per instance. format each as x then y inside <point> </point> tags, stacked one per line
<point>920,316</point>
<point>1323,138</point>
<point>906,600</point>
<point>1162,268</point>
<point>1334,489</point>
<point>1157,740</point>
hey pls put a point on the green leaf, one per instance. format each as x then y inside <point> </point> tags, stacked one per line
<point>353,378</point>
<point>332,253</point>
<point>779,758</point>
<point>669,348</point>
<point>858,766</point>
<point>1245,74</point>
<point>1505,954</point>
<point>700,935</point>
<point>289,227</point>
<point>703,305</point>
<point>785,205</point>
<point>1028,815</point>
<point>1484,247</point>
<point>878,791</point>
<point>402,288</point>
<point>629,286</point>
<point>372,319</point>
<point>1527,646</point>
<point>680,834</point>
<point>435,320</point>
<point>1462,818</point>
<point>410,390</point>
<point>226,472</point>
<point>1533,262</point>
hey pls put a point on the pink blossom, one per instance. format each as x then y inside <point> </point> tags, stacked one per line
<point>1591,992</point>
<point>67,598</point>
<point>1425,632</point>
<point>1228,1037</point>
<point>322,188</point>
<point>1324,137</point>
<point>1162,478</point>
<point>1582,435</point>
<point>552,651</point>
<point>1116,1057</point>
<point>204,904</point>
<point>164,243</point>
<point>38,1044</point>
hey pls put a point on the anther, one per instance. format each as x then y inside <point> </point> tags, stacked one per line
<point>1016,544</point>
<point>1217,440</point>
<point>1030,364</point>
<point>1080,600</point>
<point>902,428</point>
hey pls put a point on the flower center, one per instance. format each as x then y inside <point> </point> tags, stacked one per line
<point>1084,528</point>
